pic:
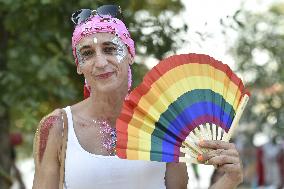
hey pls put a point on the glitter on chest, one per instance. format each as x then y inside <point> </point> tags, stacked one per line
<point>108,135</point>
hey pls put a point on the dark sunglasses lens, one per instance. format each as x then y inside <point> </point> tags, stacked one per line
<point>111,10</point>
<point>81,15</point>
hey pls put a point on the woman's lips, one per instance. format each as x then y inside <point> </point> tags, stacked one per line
<point>104,75</point>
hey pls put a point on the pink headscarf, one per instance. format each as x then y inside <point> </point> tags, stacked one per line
<point>105,24</point>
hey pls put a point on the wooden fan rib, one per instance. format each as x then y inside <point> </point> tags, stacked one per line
<point>240,110</point>
<point>209,131</point>
<point>190,152</point>
<point>191,147</point>
<point>188,160</point>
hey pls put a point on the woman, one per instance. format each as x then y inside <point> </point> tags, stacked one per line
<point>104,51</point>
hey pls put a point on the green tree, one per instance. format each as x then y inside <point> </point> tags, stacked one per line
<point>258,52</point>
<point>37,70</point>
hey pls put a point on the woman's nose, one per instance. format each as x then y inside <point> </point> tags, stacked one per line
<point>100,61</point>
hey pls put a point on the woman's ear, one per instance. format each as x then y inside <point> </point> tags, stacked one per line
<point>79,70</point>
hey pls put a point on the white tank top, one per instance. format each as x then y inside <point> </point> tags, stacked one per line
<point>84,170</point>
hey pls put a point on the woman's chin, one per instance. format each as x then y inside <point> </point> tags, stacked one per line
<point>110,88</point>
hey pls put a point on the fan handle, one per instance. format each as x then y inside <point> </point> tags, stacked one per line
<point>227,136</point>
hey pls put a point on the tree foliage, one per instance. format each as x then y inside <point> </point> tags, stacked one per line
<point>258,52</point>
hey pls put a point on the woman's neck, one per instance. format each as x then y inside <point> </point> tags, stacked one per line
<point>105,105</point>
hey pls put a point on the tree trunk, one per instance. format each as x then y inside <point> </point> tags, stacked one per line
<point>5,147</point>
<point>5,152</point>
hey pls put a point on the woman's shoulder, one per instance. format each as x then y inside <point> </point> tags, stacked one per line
<point>53,123</point>
<point>49,133</point>
<point>53,120</point>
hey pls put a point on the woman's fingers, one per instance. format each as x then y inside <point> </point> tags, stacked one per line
<point>219,152</point>
<point>224,153</point>
<point>223,159</point>
<point>216,159</point>
<point>216,144</point>
<point>234,171</point>
<point>230,168</point>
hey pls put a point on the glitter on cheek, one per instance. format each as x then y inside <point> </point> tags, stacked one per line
<point>79,56</point>
<point>121,49</point>
<point>46,125</point>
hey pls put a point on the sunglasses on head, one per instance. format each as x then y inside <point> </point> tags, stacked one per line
<point>83,15</point>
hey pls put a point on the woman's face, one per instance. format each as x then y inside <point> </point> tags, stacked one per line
<point>103,59</point>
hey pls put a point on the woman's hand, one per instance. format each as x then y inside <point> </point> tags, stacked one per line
<point>225,158</point>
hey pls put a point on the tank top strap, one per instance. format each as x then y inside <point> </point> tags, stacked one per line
<point>69,115</point>
<point>71,131</point>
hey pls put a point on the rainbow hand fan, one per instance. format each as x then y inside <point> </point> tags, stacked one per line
<point>184,99</point>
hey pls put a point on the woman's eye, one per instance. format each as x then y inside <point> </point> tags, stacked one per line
<point>110,50</point>
<point>87,53</point>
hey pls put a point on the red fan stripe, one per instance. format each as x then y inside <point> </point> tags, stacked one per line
<point>122,138</point>
<point>167,64</point>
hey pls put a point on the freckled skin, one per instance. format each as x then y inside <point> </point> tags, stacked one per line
<point>46,125</point>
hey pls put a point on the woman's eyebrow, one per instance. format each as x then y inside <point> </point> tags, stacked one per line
<point>106,43</point>
<point>85,47</point>
<point>109,43</point>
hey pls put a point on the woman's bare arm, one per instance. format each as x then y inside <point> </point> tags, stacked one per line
<point>176,176</point>
<point>47,145</point>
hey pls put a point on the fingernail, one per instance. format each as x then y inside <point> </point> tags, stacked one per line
<point>200,158</point>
